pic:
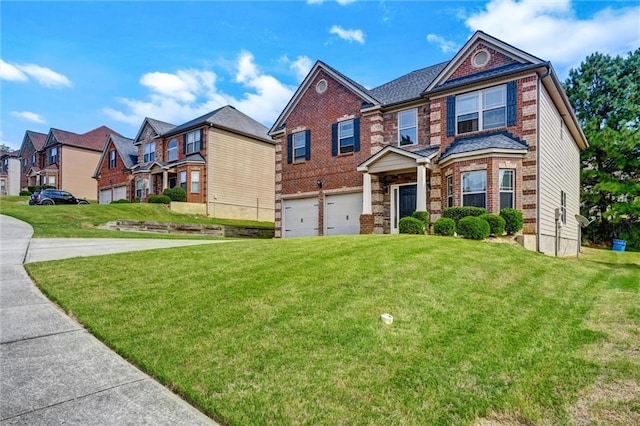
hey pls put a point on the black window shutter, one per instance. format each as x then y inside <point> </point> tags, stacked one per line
<point>451,116</point>
<point>184,144</point>
<point>334,139</point>
<point>356,135</point>
<point>307,148</point>
<point>512,103</point>
<point>201,141</point>
<point>289,148</point>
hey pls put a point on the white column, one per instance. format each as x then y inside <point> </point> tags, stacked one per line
<point>366,193</point>
<point>421,198</point>
<point>165,180</point>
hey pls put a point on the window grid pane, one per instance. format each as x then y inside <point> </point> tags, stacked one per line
<point>299,147</point>
<point>345,130</point>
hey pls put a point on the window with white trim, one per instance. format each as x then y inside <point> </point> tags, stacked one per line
<point>481,110</point>
<point>450,191</point>
<point>195,181</point>
<point>172,150</point>
<point>183,180</point>
<point>24,165</point>
<point>299,147</point>
<point>33,160</point>
<point>52,181</point>
<point>112,159</point>
<point>345,136</point>
<point>138,188</point>
<point>507,188</point>
<point>474,188</point>
<point>194,141</point>
<point>3,186</point>
<point>149,152</point>
<point>563,206</point>
<point>408,127</point>
<point>53,155</point>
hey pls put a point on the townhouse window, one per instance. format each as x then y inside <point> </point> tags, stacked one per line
<point>112,159</point>
<point>193,141</point>
<point>33,160</point>
<point>5,165</point>
<point>183,180</point>
<point>52,181</point>
<point>345,137</point>
<point>506,188</point>
<point>172,150</point>
<point>450,191</point>
<point>195,181</point>
<point>53,155</point>
<point>24,165</point>
<point>482,110</point>
<point>408,127</point>
<point>299,147</point>
<point>3,187</point>
<point>474,189</point>
<point>149,152</point>
<point>563,206</point>
<point>138,188</point>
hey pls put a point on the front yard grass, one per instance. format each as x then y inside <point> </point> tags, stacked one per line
<point>82,221</point>
<point>288,331</point>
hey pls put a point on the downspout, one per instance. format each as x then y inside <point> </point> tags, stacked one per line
<point>546,74</point>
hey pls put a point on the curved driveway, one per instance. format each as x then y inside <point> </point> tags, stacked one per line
<point>52,370</point>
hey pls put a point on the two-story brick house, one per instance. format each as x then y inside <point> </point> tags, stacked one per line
<point>31,159</point>
<point>492,128</point>
<point>113,172</point>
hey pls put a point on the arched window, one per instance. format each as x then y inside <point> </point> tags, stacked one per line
<point>172,150</point>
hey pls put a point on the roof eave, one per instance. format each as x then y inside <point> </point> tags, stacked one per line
<point>482,153</point>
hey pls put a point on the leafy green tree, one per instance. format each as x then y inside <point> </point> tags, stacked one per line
<point>605,93</point>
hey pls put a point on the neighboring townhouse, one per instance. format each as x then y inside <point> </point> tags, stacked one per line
<point>491,128</point>
<point>31,159</point>
<point>223,160</point>
<point>70,159</point>
<point>113,172</point>
<point>10,173</point>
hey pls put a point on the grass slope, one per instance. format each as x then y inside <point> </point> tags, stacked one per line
<point>80,221</point>
<point>288,331</point>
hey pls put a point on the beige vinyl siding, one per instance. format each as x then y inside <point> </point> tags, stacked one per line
<point>240,177</point>
<point>393,161</point>
<point>78,167</point>
<point>559,171</point>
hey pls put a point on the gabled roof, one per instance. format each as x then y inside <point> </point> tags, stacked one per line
<point>160,127</point>
<point>422,156</point>
<point>34,138</point>
<point>14,153</point>
<point>499,142</point>
<point>93,139</point>
<point>228,118</point>
<point>125,149</point>
<point>408,87</point>
<point>485,75</point>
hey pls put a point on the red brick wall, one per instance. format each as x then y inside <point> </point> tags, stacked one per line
<point>115,176</point>
<point>424,124</point>
<point>496,60</point>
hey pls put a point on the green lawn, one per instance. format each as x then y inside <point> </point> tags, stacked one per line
<point>79,221</point>
<point>288,331</point>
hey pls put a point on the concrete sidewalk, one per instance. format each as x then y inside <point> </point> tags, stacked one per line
<point>53,371</point>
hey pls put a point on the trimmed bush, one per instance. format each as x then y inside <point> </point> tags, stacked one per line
<point>25,192</point>
<point>457,213</point>
<point>159,199</point>
<point>175,194</point>
<point>410,225</point>
<point>514,220</point>
<point>120,201</point>
<point>474,228</point>
<point>444,226</point>
<point>496,223</point>
<point>422,216</point>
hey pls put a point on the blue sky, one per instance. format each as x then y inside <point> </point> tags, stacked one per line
<point>79,65</point>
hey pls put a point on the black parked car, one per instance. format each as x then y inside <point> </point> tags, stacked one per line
<point>54,196</point>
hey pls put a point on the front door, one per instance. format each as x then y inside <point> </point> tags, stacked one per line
<point>403,203</point>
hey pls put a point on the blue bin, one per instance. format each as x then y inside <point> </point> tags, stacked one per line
<point>619,245</point>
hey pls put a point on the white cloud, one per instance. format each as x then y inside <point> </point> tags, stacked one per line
<point>445,45</point>
<point>43,75</point>
<point>349,35</point>
<point>301,66</point>
<point>187,94</point>
<point>551,30</point>
<point>28,116</point>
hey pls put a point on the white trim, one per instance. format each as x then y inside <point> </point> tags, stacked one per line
<point>400,129</point>
<point>490,152</point>
<point>486,185</point>
<point>364,166</point>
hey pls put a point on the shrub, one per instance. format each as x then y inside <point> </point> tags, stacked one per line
<point>496,223</point>
<point>159,199</point>
<point>120,201</point>
<point>410,225</point>
<point>25,192</point>
<point>444,226</point>
<point>175,194</point>
<point>457,213</point>
<point>514,221</point>
<point>422,216</point>
<point>474,228</point>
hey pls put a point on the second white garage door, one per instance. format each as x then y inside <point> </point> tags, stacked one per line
<point>120,193</point>
<point>105,196</point>
<point>342,213</point>
<point>300,217</point>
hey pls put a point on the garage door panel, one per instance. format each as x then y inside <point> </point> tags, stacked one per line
<point>120,193</point>
<point>105,196</point>
<point>342,213</point>
<point>300,217</point>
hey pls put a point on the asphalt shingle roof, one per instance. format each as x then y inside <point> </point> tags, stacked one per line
<point>37,139</point>
<point>160,127</point>
<point>93,139</point>
<point>407,87</point>
<point>127,150</point>
<point>502,140</point>
<point>484,75</point>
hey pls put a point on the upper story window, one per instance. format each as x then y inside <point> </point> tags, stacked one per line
<point>299,147</point>
<point>481,110</point>
<point>53,155</point>
<point>346,136</point>
<point>33,160</point>
<point>24,165</point>
<point>149,152</point>
<point>193,141</point>
<point>5,165</point>
<point>408,127</point>
<point>474,188</point>
<point>506,188</point>
<point>112,159</point>
<point>172,150</point>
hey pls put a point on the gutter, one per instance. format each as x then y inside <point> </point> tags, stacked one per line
<point>541,77</point>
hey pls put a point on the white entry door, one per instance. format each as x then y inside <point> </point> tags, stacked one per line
<point>300,217</point>
<point>342,213</point>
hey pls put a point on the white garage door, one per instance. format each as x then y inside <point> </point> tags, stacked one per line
<point>342,213</point>
<point>120,193</point>
<point>105,196</point>
<point>300,217</point>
